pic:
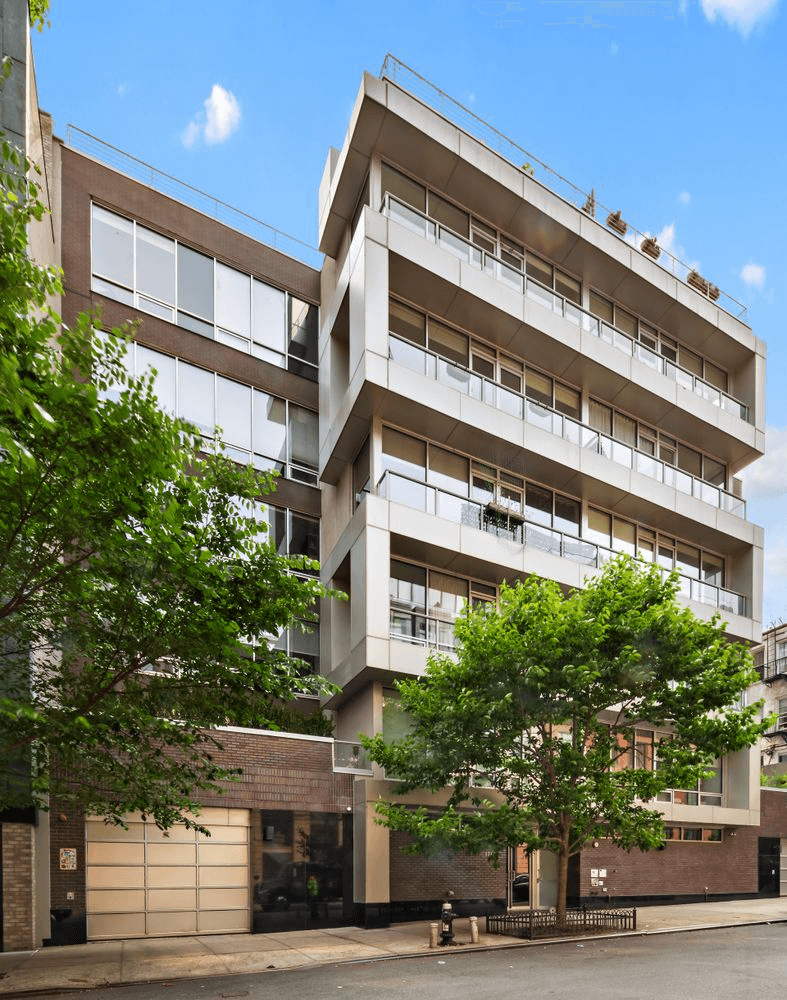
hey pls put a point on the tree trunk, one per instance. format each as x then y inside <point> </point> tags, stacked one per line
<point>562,873</point>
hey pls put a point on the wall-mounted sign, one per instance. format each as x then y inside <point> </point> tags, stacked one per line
<point>68,859</point>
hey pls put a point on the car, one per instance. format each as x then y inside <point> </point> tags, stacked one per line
<point>520,889</point>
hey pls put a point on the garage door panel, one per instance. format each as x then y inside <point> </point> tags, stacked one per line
<point>115,900</point>
<point>98,830</point>
<point>223,876</point>
<point>172,854</point>
<point>172,899</point>
<point>223,854</point>
<point>172,922</point>
<point>111,877</point>
<point>143,883</point>
<point>225,834</point>
<point>117,925</point>
<point>172,878</point>
<point>227,898</point>
<point>226,921</point>
<point>175,835</point>
<point>116,854</point>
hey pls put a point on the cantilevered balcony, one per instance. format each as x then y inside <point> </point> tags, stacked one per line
<point>513,525</point>
<point>512,277</point>
<point>470,383</point>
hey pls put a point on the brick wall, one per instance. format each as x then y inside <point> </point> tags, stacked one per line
<point>280,773</point>
<point>66,829</point>
<point>18,887</point>
<point>468,876</point>
<point>680,869</point>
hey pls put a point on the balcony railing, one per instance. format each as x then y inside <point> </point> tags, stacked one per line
<point>514,527</point>
<point>472,384</point>
<point>462,248</point>
<point>773,669</point>
<point>421,629</point>
<point>541,173</point>
<point>349,756</point>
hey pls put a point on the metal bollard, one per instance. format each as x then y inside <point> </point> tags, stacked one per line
<point>433,931</point>
<point>473,930</point>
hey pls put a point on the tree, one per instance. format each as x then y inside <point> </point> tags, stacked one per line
<point>540,705</point>
<point>138,591</point>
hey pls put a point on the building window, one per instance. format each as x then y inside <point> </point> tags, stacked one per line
<point>256,427</point>
<point>696,835</point>
<point>657,341</point>
<point>425,603</point>
<point>170,280</point>
<point>621,427</point>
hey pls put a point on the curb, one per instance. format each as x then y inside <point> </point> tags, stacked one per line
<point>464,949</point>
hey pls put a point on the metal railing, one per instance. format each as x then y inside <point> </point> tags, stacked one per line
<point>544,923</point>
<point>773,669</point>
<point>138,170</point>
<point>467,251</point>
<point>421,629</point>
<point>419,87</point>
<point>514,527</point>
<point>348,756</point>
<point>472,384</point>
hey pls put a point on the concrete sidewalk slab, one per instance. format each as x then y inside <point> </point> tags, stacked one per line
<point>111,963</point>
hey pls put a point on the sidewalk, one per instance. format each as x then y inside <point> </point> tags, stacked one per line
<point>112,963</point>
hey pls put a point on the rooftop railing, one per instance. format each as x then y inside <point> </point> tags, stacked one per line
<point>515,527</point>
<point>462,248</point>
<point>138,170</point>
<point>423,90</point>
<point>472,384</point>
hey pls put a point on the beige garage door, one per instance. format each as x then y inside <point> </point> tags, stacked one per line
<point>142,882</point>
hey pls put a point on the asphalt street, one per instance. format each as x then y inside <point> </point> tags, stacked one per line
<point>733,963</point>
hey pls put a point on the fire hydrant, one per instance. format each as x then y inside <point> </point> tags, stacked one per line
<point>446,920</point>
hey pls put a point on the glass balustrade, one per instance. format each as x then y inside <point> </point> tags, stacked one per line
<point>472,384</point>
<point>512,527</point>
<point>466,251</point>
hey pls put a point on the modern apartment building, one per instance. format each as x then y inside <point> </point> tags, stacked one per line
<point>482,376</point>
<point>510,384</point>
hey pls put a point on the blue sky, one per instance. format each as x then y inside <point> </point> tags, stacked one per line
<point>675,111</point>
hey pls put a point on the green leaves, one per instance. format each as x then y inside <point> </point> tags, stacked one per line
<point>138,597</point>
<point>543,700</point>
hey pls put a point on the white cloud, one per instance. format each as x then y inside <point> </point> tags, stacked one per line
<point>190,134</point>
<point>122,89</point>
<point>742,15</point>
<point>614,48</point>
<point>753,275</point>
<point>684,198</point>
<point>766,479</point>
<point>217,122</point>
<point>223,114</point>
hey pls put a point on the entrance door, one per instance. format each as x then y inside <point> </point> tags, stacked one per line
<point>518,877</point>
<point>769,850</point>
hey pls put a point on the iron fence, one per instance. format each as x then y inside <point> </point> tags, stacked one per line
<point>544,923</point>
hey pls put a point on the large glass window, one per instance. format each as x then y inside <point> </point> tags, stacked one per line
<point>233,300</point>
<point>270,428</point>
<point>303,443</point>
<point>137,266</point>
<point>113,248</point>
<point>404,454</point>
<point>403,187</point>
<point>155,266</point>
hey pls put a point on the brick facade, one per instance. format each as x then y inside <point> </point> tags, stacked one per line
<point>423,878</point>
<point>18,895</point>
<point>66,830</point>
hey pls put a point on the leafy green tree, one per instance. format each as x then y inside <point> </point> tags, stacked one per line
<point>531,722</point>
<point>138,593</point>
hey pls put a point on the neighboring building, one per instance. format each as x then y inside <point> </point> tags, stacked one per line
<point>770,659</point>
<point>505,386</point>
